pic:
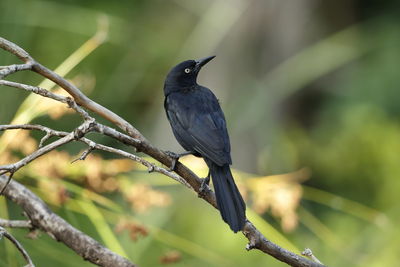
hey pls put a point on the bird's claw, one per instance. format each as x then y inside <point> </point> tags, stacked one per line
<point>174,157</point>
<point>204,186</point>
<point>172,154</point>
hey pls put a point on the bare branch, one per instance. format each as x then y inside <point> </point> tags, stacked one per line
<point>11,171</point>
<point>7,70</point>
<point>15,50</point>
<point>32,127</point>
<point>79,97</point>
<point>92,145</point>
<point>36,90</point>
<point>150,166</point>
<point>77,134</point>
<point>15,223</point>
<point>21,249</point>
<point>84,154</point>
<point>45,93</point>
<point>128,140</point>
<point>49,132</point>
<point>86,102</point>
<point>44,219</point>
<point>44,139</point>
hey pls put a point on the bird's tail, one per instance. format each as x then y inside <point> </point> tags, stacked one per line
<point>229,199</point>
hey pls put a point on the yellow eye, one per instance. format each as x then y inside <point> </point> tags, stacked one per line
<point>188,70</point>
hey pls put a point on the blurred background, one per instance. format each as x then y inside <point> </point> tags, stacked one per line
<point>310,93</point>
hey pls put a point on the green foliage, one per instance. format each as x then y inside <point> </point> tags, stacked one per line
<point>325,103</point>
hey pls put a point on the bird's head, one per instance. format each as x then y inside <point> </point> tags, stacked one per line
<point>185,73</point>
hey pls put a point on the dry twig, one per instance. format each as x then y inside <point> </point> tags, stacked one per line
<point>15,223</point>
<point>21,249</point>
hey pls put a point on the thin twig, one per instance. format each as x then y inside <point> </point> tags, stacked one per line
<point>150,166</point>
<point>36,90</point>
<point>21,249</point>
<point>104,129</point>
<point>7,70</point>
<point>45,93</point>
<point>11,171</point>
<point>84,154</point>
<point>15,223</point>
<point>80,131</point>
<point>45,138</point>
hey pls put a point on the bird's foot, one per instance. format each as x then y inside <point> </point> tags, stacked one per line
<point>204,186</point>
<point>175,157</point>
<point>172,154</point>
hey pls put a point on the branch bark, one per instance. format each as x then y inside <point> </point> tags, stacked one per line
<point>43,218</point>
<point>15,223</point>
<point>138,141</point>
<point>67,137</point>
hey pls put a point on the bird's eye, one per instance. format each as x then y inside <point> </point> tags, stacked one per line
<point>188,70</point>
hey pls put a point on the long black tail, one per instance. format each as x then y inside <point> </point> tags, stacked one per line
<point>229,200</point>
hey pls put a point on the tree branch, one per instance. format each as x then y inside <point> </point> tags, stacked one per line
<point>43,218</point>
<point>138,141</point>
<point>45,93</point>
<point>7,70</point>
<point>21,249</point>
<point>77,134</point>
<point>15,223</point>
<point>92,145</point>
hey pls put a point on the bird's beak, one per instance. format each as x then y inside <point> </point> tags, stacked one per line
<point>201,62</point>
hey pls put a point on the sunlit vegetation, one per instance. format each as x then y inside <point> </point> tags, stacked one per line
<point>313,119</point>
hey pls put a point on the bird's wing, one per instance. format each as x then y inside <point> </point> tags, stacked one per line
<point>199,124</point>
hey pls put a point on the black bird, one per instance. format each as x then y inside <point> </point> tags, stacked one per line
<point>199,126</point>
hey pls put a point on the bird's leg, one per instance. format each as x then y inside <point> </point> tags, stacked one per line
<point>204,184</point>
<point>175,157</point>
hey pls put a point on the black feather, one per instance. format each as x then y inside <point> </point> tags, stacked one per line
<point>229,199</point>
